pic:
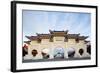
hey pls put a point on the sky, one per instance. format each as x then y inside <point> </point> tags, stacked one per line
<point>43,21</point>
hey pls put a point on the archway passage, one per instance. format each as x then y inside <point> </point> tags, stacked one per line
<point>81,51</point>
<point>45,53</point>
<point>25,50</point>
<point>34,52</point>
<point>71,52</point>
<point>59,53</point>
<point>89,49</point>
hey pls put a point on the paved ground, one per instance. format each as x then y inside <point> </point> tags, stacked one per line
<point>46,60</point>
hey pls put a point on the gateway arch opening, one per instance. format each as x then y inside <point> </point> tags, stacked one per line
<point>71,52</point>
<point>59,53</point>
<point>45,53</point>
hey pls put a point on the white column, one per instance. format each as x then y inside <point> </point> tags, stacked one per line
<point>51,53</point>
<point>65,53</point>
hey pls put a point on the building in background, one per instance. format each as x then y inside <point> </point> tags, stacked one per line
<point>56,44</point>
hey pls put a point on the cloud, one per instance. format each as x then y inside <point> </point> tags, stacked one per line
<point>41,21</point>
